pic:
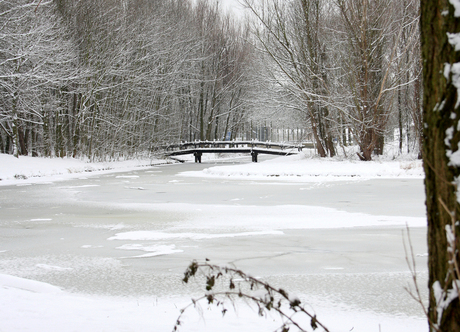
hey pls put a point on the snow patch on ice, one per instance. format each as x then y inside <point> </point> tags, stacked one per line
<point>156,236</point>
<point>111,227</point>
<point>136,188</point>
<point>248,217</point>
<point>7,281</point>
<point>82,186</point>
<point>88,246</point>
<point>153,250</point>
<point>53,268</point>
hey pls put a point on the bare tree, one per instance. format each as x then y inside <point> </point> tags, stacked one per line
<point>219,72</point>
<point>372,66</point>
<point>409,99</point>
<point>36,64</point>
<point>342,61</point>
<point>290,34</point>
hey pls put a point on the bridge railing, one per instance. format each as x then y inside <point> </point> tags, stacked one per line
<point>232,144</point>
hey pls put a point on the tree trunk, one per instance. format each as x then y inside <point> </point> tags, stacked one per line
<point>400,122</point>
<point>417,116</point>
<point>8,144</point>
<point>201,108</point>
<point>441,117</point>
<point>15,138</point>
<point>15,127</point>
<point>367,144</point>
<point>22,141</point>
<point>2,148</point>
<point>319,143</point>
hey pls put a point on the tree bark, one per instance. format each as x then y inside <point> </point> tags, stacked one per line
<point>441,137</point>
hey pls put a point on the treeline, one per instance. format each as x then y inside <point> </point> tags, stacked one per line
<point>351,67</point>
<point>111,78</point>
<point>115,78</point>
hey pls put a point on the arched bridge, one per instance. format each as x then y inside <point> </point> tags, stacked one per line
<point>254,148</point>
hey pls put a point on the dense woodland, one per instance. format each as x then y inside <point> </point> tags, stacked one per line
<point>106,79</point>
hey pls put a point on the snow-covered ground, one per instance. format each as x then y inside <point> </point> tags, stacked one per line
<point>28,305</point>
<point>306,169</point>
<point>35,170</point>
<point>31,305</point>
<point>293,168</point>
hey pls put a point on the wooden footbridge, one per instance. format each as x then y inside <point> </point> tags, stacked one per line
<point>254,148</point>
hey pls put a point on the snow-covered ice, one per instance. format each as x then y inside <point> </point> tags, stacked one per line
<point>92,254</point>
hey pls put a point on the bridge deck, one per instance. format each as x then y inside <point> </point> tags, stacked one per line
<point>251,147</point>
<point>232,144</point>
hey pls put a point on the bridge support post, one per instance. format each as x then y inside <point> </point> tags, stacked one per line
<point>254,156</point>
<point>198,156</point>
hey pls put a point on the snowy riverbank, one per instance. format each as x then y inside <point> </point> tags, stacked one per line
<point>302,168</point>
<point>293,168</point>
<point>28,170</point>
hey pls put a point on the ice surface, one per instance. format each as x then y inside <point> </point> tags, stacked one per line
<point>327,231</point>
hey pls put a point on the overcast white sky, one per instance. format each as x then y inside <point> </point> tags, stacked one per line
<point>232,5</point>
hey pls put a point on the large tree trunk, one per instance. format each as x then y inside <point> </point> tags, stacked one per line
<point>367,143</point>
<point>442,135</point>
<point>319,143</point>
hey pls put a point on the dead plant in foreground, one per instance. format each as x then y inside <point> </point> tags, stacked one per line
<point>224,285</point>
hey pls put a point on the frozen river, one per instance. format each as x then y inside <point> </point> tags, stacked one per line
<point>339,244</point>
